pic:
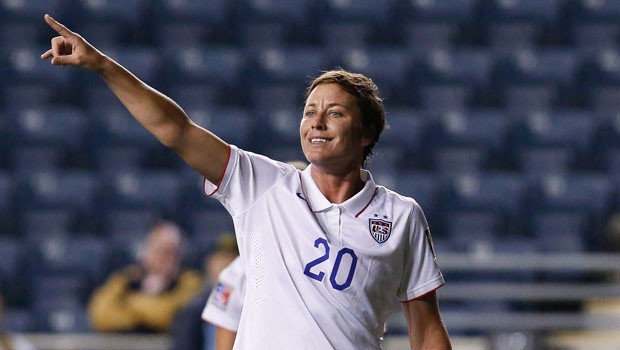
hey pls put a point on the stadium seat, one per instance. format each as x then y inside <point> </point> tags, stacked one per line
<point>605,99</point>
<point>387,67</point>
<point>468,67</point>
<point>47,220</point>
<point>456,160</point>
<point>586,193</point>
<point>74,190</point>
<point>500,193</point>
<point>31,10</point>
<point>408,129</point>
<point>62,314</point>
<point>277,96</point>
<point>445,97</point>
<point>592,37</point>
<point>114,126</point>
<point>429,35</point>
<point>38,96</point>
<point>143,62</point>
<point>231,124</point>
<point>384,159</point>
<point>506,37</point>
<point>447,10</point>
<point>546,160</point>
<point>23,65</point>
<point>198,11</point>
<point>529,98</point>
<point>155,190</point>
<point>292,65</point>
<point>113,159</point>
<point>262,35</point>
<point>18,33</point>
<point>59,126</point>
<point>337,36</point>
<point>6,192</point>
<point>423,187</point>
<point>560,232</point>
<point>17,320</point>
<point>553,67</point>
<point>11,264</point>
<point>466,229</point>
<point>28,159</point>
<point>293,11</point>
<point>102,34</point>
<point>200,64</point>
<point>368,11</point>
<point>195,96</point>
<point>210,222</point>
<point>592,11</point>
<point>126,13</point>
<point>278,123</point>
<point>485,129</point>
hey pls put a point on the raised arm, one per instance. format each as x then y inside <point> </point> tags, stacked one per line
<point>426,329</point>
<point>160,115</point>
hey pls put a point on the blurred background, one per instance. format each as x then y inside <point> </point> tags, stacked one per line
<point>504,127</point>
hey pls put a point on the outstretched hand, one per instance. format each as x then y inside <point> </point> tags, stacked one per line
<point>71,49</point>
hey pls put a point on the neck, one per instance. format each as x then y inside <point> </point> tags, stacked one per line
<point>337,187</point>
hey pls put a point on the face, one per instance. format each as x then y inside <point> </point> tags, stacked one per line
<point>162,251</point>
<point>331,128</point>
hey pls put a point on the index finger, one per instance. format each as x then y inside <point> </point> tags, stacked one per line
<point>59,28</point>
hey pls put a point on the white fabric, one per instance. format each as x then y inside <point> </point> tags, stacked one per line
<point>227,315</point>
<point>296,301</point>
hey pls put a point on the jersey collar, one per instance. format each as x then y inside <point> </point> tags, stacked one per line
<point>356,204</point>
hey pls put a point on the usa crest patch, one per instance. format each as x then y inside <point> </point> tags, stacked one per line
<point>380,229</point>
<point>221,295</point>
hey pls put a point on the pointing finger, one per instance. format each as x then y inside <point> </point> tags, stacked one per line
<point>59,28</point>
<point>47,54</point>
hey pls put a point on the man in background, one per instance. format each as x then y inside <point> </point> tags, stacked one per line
<point>146,297</point>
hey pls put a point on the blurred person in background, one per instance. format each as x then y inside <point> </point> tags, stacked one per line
<point>12,341</point>
<point>146,297</point>
<point>188,331</point>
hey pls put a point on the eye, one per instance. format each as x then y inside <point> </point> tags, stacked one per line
<point>335,114</point>
<point>310,114</point>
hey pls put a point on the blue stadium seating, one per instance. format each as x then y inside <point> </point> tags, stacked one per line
<point>560,232</point>
<point>268,96</point>
<point>144,62</point>
<point>75,190</point>
<point>18,34</point>
<point>60,314</point>
<point>27,159</point>
<point>447,10</point>
<point>485,129</point>
<point>17,320</point>
<point>466,229</point>
<point>155,190</point>
<point>114,159</point>
<point>546,160</point>
<point>445,97</point>
<point>294,65</point>
<point>11,251</point>
<point>500,193</point>
<point>275,11</point>
<point>361,10</point>
<point>429,35</point>
<point>507,37</point>
<point>586,193</point>
<point>423,187</point>
<point>6,192</point>
<point>102,34</point>
<point>233,125</point>
<point>31,10</point>
<point>47,220</point>
<point>387,67</point>
<point>38,96</point>
<point>455,160</point>
<point>521,10</point>
<point>198,11</point>
<point>60,126</point>
<point>407,128</point>
<point>529,98</point>
<point>592,37</point>
<point>222,65</point>
<point>262,35</point>
<point>121,13</point>
<point>210,222</point>
<point>338,36</point>
<point>115,127</point>
<point>468,67</point>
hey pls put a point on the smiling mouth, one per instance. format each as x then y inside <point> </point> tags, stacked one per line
<point>318,140</point>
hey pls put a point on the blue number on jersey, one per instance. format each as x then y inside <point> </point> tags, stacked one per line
<point>332,277</point>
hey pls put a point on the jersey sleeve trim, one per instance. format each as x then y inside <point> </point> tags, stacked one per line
<point>428,287</point>
<point>216,187</point>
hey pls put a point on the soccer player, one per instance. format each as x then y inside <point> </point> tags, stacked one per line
<point>326,250</point>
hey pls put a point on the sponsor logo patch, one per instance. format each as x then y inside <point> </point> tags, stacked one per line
<point>380,229</point>
<point>221,297</point>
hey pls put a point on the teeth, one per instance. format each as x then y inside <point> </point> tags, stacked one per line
<point>318,140</point>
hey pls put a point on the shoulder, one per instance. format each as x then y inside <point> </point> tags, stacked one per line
<point>397,200</point>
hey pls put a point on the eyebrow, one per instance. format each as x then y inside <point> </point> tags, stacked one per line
<point>313,104</point>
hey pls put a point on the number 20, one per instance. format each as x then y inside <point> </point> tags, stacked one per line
<point>332,277</point>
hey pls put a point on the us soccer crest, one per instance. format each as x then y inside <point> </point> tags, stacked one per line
<point>380,229</point>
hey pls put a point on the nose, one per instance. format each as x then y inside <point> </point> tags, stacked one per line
<point>318,123</point>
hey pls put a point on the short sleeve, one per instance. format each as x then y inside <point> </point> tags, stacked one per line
<point>421,274</point>
<point>225,303</point>
<point>246,178</point>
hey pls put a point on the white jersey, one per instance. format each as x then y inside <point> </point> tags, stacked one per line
<point>224,305</point>
<point>321,275</point>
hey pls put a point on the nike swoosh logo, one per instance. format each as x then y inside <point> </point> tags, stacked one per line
<point>300,196</point>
